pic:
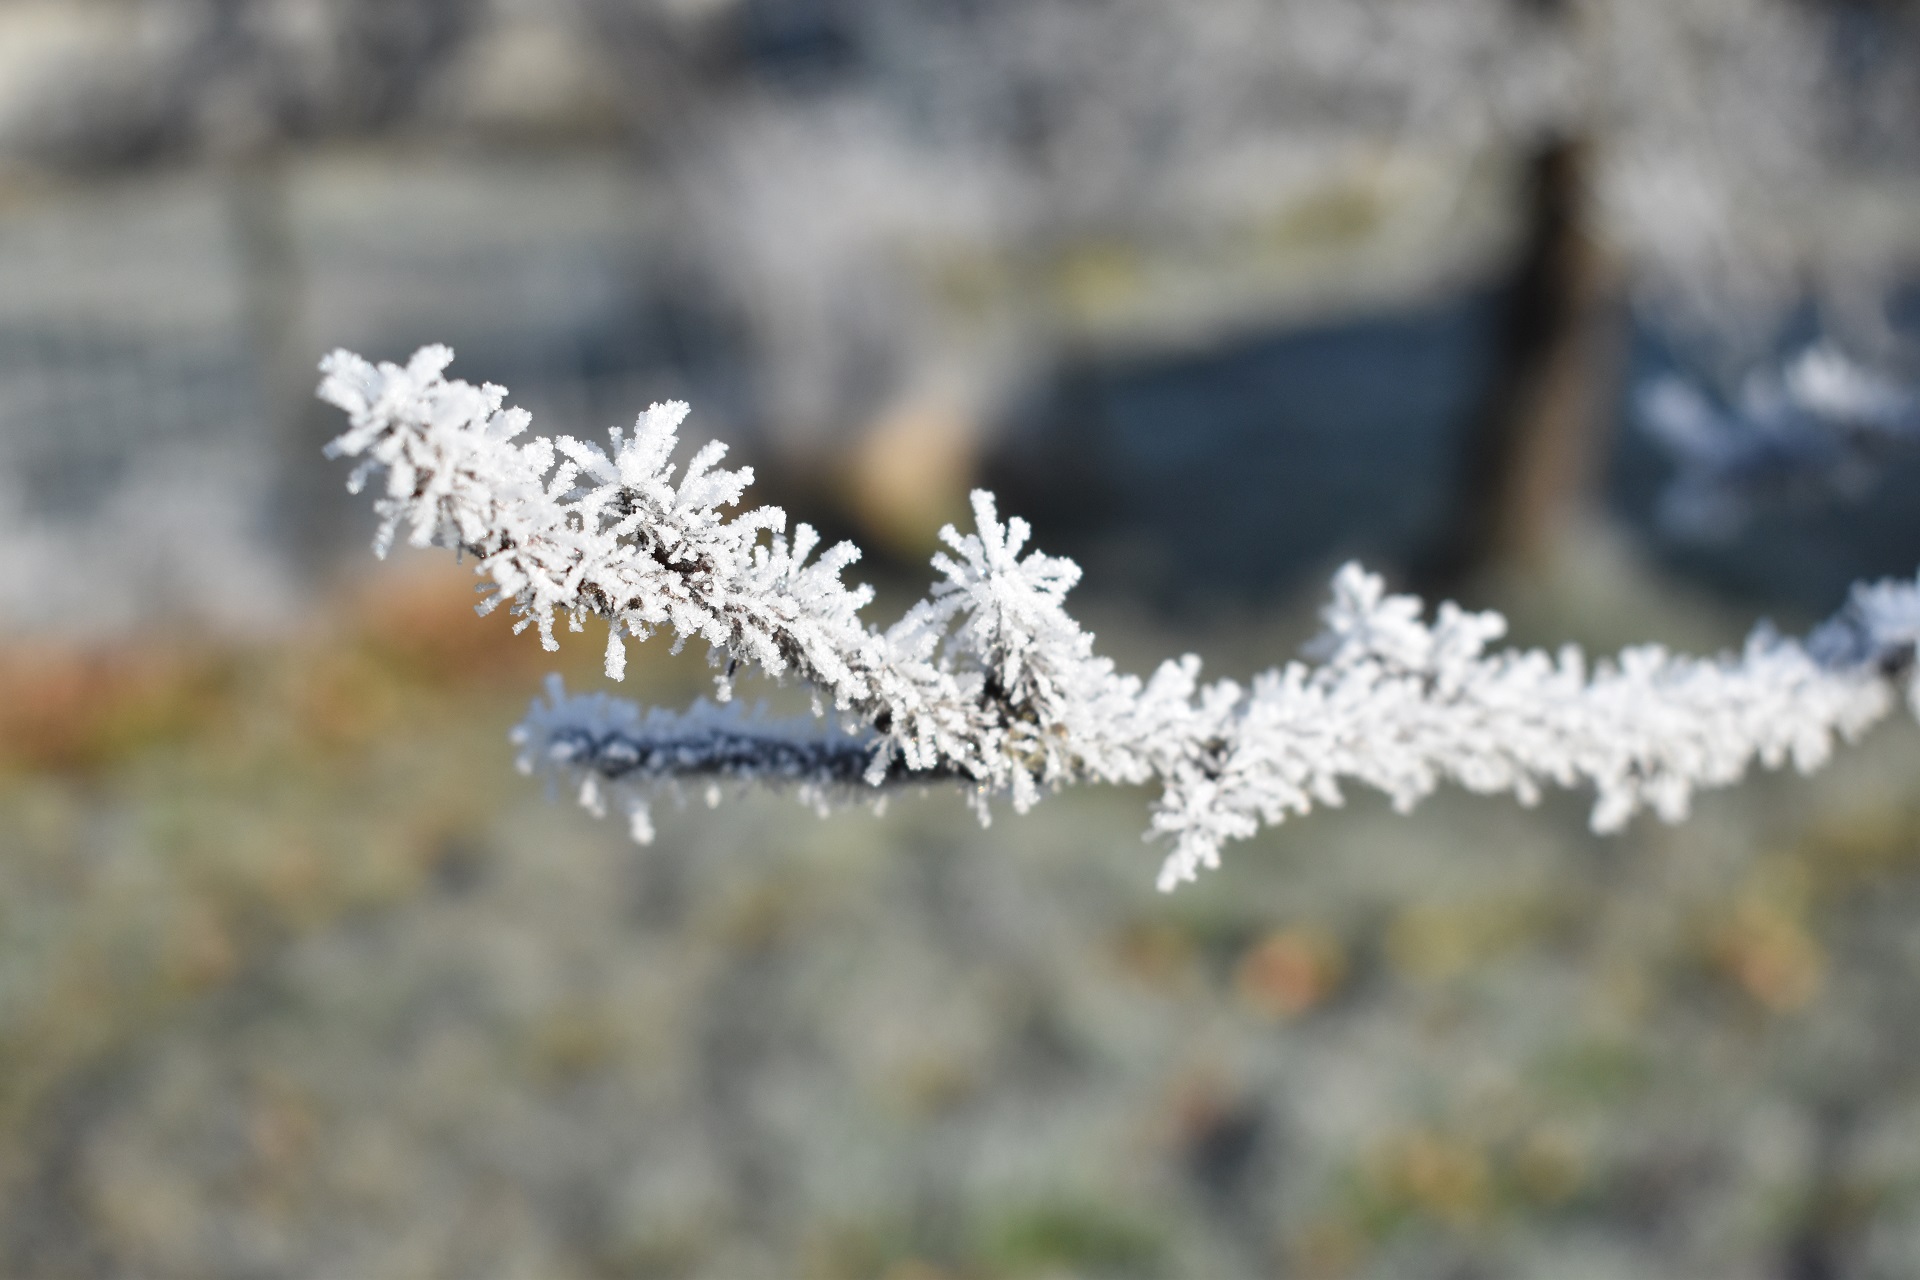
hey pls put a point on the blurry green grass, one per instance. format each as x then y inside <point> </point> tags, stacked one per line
<point>298,978</point>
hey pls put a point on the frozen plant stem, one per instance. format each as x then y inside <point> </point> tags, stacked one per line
<point>989,684</point>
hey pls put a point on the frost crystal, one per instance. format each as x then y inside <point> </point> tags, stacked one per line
<point>990,684</point>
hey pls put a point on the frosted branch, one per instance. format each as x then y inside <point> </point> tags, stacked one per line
<point>989,683</point>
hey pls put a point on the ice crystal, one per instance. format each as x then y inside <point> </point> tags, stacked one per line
<point>989,682</point>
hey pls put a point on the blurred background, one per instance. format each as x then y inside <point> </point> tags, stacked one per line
<point>1602,312</point>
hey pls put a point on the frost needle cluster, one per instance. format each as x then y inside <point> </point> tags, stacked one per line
<point>990,684</point>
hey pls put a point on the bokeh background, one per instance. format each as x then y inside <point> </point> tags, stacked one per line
<point>1516,299</point>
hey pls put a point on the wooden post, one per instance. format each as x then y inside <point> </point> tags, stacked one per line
<point>1526,465</point>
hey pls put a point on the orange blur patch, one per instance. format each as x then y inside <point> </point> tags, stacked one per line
<point>1290,971</point>
<point>1441,1176</point>
<point>1770,955</point>
<point>422,625</point>
<point>73,709</point>
<point>80,707</point>
<point>1155,953</point>
<point>1327,1249</point>
<point>910,474</point>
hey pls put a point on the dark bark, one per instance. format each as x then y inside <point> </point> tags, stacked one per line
<point>1526,462</point>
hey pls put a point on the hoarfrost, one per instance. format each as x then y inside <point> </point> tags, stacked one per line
<point>989,683</point>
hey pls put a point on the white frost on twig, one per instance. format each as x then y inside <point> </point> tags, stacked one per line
<point>990,683</point>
